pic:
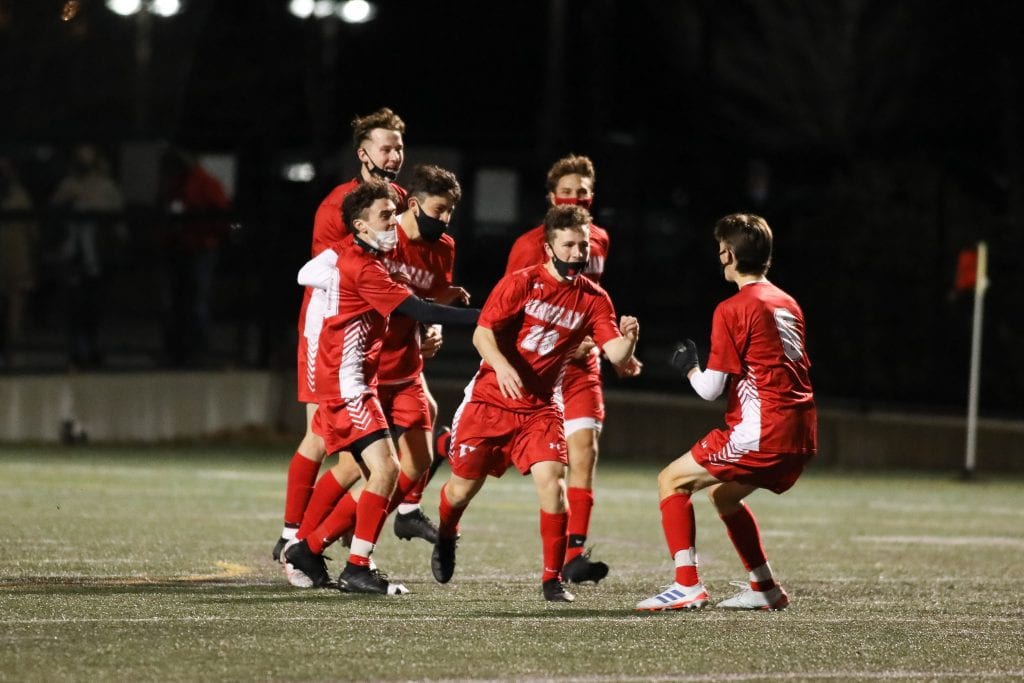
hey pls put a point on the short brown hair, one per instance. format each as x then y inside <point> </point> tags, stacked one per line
<point>382,118</point>
<point>564,217</point>
<point>580,165</point>
<point>428,180</point>
<point>750,240</point>
<point>358,201</point>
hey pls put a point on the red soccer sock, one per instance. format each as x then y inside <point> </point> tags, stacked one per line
<point>402,488</point>
<point>301,474</point>
<point>326,495</point>
<point>448,517</point>
<point>553,537</point>
<point>341,520</point>
<point>746,537</point>
<point>581,502</point>
<point>679,525</point>
<point>415,494</point>
<point>370,515</point>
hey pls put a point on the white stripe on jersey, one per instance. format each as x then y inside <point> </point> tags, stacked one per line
<point>351,379</point>
<point>746,436</point>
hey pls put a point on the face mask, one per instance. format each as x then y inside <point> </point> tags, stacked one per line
<point>383,241</point>
<point>568,269</point>
<point>430,228</point>
<point>382,173</point>
<point>585,202</point>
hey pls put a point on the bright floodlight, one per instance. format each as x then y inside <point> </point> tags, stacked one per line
<point>301,172</point>
<point>301,8</point>
<point>165,8</point>
<point>357,11</point>
<point>124,7</point>
<point>323,8</point>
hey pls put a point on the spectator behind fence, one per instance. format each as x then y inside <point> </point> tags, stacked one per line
<point>198,225</point>
<point>89,202</point>
<point>17,267</point>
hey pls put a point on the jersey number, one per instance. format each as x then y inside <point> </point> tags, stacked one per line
<point>539,340</point>
<point>789,334</point>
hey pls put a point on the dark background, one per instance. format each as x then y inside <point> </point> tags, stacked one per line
<point>885,135</point>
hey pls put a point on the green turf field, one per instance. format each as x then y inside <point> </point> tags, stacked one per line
<point>154,564</point>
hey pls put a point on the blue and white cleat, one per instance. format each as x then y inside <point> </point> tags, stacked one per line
<point>675,596</point>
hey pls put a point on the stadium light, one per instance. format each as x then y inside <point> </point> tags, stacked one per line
<point>349,11</point>
<point>161,8</point>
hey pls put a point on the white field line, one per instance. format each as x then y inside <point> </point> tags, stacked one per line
<point>946,510</point>
<point>892,674</point>
<point>999,541</point>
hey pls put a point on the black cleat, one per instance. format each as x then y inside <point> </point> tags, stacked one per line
<point>279,548</point>
<point>554,591</point>
<point>357,579</point>
<point>300,557</point>
<point>442,562</point>
<point>415,524</point>
<point>580,569</point>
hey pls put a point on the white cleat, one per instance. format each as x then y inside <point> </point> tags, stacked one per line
<point>750,599</point>
<point>675,596</point>
<point>296,577</point>
<point>397,589</point>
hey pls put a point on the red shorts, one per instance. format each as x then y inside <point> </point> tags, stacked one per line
<point>487,439</point>
<point>582,399</point>
<point>773,471</point>
<point>406,404</point>
<point>341,424</point>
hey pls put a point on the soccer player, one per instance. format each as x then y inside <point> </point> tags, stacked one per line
<point>531,324</point>
<point>358,295</point>
<point>423,260</point>
<point>570,181</point>
<point>758,352</point>
<point>377,139</point>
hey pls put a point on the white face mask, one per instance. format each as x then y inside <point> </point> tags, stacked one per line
<point>386,240</point>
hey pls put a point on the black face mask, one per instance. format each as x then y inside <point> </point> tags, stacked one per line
<point>430,228</point>
<point>568,269</point>
<point>382,173</point>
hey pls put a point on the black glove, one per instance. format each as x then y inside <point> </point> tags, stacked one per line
<point>684,358</point>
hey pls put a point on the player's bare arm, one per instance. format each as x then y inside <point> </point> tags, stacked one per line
<point>509,382</point>
<point>620,350</point>
<point>586,346</point>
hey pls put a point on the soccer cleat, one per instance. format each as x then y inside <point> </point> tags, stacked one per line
<point>303,567</point>
<point>279,549</point>
<point>748,598</point>
<point>357,579</point>
<point>554,591</point>
<point>675,596</point>
<point>442,561</point>
<point>580,569</point>
<point>415,524</point>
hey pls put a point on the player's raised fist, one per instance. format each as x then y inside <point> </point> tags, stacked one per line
<point>684,358</point>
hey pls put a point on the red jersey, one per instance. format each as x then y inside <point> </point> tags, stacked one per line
<point>428,265</point>
<point>757,337</point>
<point>328,226</point>
<point>356,295</point>
<point>528,251</point>
<point>538,322</point>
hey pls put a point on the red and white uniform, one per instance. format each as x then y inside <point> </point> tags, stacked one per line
<point>428,268</point>
<point>757,338</point>
<point>328,229</point>
<point>356,295</point>
<point>581,387</point>
<point>537,322</point>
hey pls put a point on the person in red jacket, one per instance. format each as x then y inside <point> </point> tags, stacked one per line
<point>759,356</point>
<point>197,207</point>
